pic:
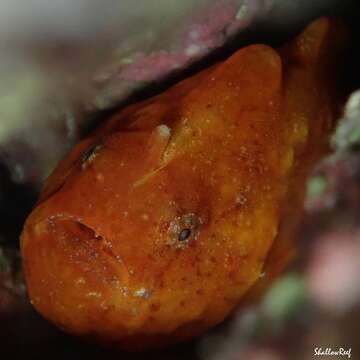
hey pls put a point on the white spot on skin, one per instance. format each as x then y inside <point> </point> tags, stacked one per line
<point>164,131</point>
<point>142,293</point>
<point>125,291</point>
<point>80,281</point>
<point>94,294</point>
<point>104,305</point>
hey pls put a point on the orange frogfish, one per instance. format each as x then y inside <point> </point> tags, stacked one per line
<point>155,227</point>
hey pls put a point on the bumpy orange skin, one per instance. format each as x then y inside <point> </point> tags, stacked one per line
<point>154,228</point>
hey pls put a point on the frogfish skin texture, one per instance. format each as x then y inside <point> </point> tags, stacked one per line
<point>159,224</point>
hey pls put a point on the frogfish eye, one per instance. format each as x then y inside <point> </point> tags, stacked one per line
<point>184,234</point>
<point>183,230</point>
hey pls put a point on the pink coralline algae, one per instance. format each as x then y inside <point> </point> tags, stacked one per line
<point>205,33</point>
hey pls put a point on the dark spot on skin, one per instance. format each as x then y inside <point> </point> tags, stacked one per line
<point>154,307</point>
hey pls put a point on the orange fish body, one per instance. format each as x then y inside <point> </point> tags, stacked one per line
<point>155,227</point>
